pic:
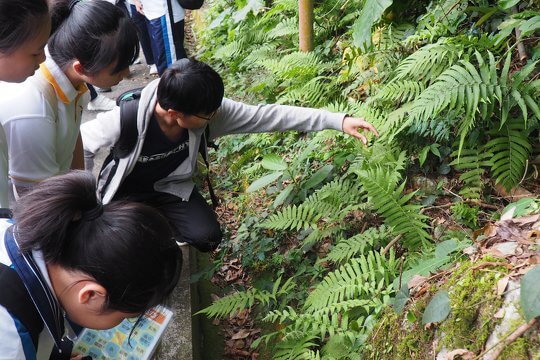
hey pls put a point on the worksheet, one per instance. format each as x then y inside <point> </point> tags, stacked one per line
<point>121,342</point>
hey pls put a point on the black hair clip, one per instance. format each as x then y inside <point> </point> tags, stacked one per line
<point>72,4</point>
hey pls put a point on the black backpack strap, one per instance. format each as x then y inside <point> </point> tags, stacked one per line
<point>129,106</point>
<point>204,152</point>
<point>14,297</point>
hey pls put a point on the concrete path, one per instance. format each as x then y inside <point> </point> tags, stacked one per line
<point>177,340</point>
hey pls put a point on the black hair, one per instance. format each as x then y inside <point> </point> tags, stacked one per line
<point>96,33</point>
<point>18,21</point>
<point>190,86</point>
<point>127,247</point>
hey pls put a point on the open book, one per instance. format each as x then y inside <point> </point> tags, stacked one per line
<point>116,343</point>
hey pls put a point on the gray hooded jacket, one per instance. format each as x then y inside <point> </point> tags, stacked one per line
<point>231,118</point>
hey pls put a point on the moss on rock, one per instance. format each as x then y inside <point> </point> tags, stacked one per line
<point>474,302</point>
<point>472,288</point>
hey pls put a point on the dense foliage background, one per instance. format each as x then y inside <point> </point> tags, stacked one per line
<point>453,87</point>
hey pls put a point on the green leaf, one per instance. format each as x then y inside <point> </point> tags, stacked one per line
<point>274,162</point>
<point>283,195</point>
<point>318,177</point>
<point>446,247</point>
<point>437,309</point>
<point>530,294</point>
<point>401,299</point>
<point>530,26</point>
<point>252,6</point>
<point>337,347</point>
<point>520,208</point>
<point>423,268</point>
<point>435,150</point>
<point>411,317</point>
<point>423,155</point>
<point>265,180</point>
<point>507,4</point>
<point>371,13</point>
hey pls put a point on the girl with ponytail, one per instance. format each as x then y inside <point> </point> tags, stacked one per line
<point>92,42</point>
<point>97,264</point>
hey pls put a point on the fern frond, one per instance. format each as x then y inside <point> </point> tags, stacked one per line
<point>287,27</point>
<point>237,302</point>
<point>295,348</point>
<point>472,164</point>
<point>316,92</point>
<point>428,62</point>
<point>359,244</point>
<point>400,91</point>
<point>390,202</point>
<point>366,277</point>
<point>230,50</point>
<point>261,53</point>
<point>327,321</point>
<point>318,235</point>
<point>460,87</point>
<point>511,148</point>
<point>296,64</point>
<point>294,217</point>
<point>337,193</point>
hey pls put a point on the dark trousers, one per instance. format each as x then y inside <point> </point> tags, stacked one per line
<point>168,46</point>
<point>193,221</point>
<point>141,22</point>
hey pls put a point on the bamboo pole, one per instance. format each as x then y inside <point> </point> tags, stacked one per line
<point>305,12</point>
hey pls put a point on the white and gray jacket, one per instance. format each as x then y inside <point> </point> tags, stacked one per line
<point>231,118</point>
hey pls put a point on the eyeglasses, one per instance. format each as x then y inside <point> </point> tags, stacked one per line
<point>209,118</point>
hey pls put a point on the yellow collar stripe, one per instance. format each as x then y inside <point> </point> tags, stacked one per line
<point>52,81</point>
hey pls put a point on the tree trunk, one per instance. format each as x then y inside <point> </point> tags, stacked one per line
<point>305,12</point>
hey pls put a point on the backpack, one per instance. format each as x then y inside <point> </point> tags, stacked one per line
<point>191,4</point>
<point>129,106</point>
<point>17,301</point>
<point>15,297</point>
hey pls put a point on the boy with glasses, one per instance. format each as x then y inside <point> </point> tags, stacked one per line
<point>173,113</point>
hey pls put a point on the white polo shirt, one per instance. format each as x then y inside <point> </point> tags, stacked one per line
<point>41,135</point>
<point>154,9</point>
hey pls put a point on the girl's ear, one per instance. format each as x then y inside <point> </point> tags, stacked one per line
<point>93,295</point>
<point>78,68</point>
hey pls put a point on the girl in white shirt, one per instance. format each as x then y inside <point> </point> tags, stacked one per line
<point>93,264</point>
<point>25,26</point>
<point>92,42</point>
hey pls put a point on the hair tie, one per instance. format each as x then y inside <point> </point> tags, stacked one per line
<point>93,213</point>
<point>72,4</point>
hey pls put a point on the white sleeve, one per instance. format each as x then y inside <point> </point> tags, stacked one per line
<point>101,132</point>
<point>11,347</point>
<point>234,117</point>
<point>32,148</point>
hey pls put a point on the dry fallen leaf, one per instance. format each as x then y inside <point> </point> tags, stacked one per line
<point>242,334</point>
<point>462,353</point>
<point>499,314</point>
<point>506,248</point>
<point>501,285</point>
<point>470,250</point>
<point>416,281</point>
<point>534,260</point>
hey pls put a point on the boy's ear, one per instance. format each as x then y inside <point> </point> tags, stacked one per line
<point>93,295</point>
<point>173,114</point>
